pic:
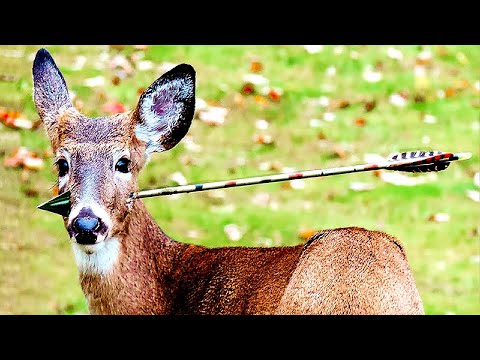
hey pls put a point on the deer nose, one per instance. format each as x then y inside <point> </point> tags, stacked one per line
<point>86,227</point>
<point>87,223</point>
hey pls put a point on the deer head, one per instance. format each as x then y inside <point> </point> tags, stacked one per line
<point>99,159</point>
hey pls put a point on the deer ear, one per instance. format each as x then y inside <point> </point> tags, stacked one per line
<point>165,110</point>
<point>50,92</point>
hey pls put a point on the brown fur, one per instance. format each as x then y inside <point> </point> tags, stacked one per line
<point>339,271</point>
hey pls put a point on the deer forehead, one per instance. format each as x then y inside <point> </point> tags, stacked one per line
<point>113,130</point>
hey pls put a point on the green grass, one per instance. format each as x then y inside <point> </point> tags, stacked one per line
<point>37,270</point>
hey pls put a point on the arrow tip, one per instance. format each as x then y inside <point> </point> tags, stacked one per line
<point>58,205</point>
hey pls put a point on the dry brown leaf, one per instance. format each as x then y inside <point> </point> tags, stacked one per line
<point>306,234</point>
<point>265,139</point>
<point>24,158</point>
<point>261,100</point>
<point>338,104</point>
<point>275,94</point>
<point>248,89</point>
<point>360,122</point>
<point>14,119</point>
<point>369,105</point>
<point>439,217</point>
<point>114,107</point>
<point>450,92</point>
<point>256,66</point>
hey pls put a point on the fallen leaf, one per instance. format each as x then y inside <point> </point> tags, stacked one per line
<point>14,119</point>
<point>338,50</point>
<point>256,66</point>
<point>429,119</point>
<point>32,162</point>
<point>261,124</point>
<point>313,49</point>
<point>178,178</point>
<point>419,98</point>
<point>394,53</point>
<point>331,71</point>
<point>424,58</point>
<point>355,55</point>
<point>193,234</point>
<point>306,234</point>
<point>95,81</point>
<point>270,166</point>
<point>369,105</point>
<point>297,184</point>
<point>361,186</point>
<point>473,194</point>
<point>31,192</point>
<point>255,79</point>
<point>328,116</point>
<point>371,76</point>
<point>79,63</point>
<point>213,115</point>
<point>233,232</point>
<point>238,99</point>
<point>442,51</point>
<point>315,123</point>
<point>398,100</point>
<point>165,66</point>
<point>264,139</point>
<point>462,58</point>
<point>461,84</point>
<point>200,104</point>
<point>114,107</point>
<point>275,94</point>
<point>338,104</point>
<point>261,199</point>
<point>261,100</point>
<point>144,65</point>
<point>450,92</point>
<point>24,158</point>
<point>373,158</point>
<point>121,66</point>
<point>339,151</point>
<point>321,136</point>
<point>248,89</point>
<point>439,217</point>
<point>360,122</point>
<point>400,179</point>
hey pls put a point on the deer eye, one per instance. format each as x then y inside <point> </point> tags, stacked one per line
<point>122,165</point>
<point>62,165</point>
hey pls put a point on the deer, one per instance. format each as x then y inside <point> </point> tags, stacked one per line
<point>128,265</point>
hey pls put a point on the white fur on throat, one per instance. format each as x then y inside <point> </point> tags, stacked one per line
<point>102,258</point>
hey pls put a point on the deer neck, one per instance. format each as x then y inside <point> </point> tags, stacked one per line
<point>133,272</point>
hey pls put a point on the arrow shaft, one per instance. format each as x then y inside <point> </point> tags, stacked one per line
<point>388,165</point>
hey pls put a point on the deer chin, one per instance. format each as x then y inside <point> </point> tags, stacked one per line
<point>90,249</point>
<point>98,258</point>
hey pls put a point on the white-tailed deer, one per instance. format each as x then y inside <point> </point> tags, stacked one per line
<point>128,265</point>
